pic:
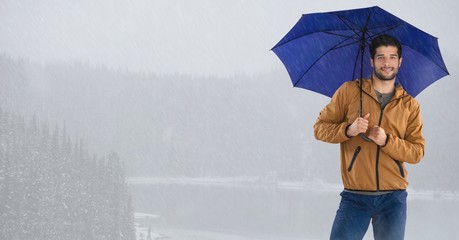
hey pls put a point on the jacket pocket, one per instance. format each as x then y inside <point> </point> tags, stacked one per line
<point>400,168</point>
<point>356,152</point>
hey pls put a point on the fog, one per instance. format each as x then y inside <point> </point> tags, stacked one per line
<point>213,140</point>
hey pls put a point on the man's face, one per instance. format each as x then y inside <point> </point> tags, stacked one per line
<point>386,62</point>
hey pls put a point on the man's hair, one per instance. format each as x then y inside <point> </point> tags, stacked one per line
<point>384,40</point>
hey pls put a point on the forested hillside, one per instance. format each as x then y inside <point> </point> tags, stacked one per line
<point>52,188</point>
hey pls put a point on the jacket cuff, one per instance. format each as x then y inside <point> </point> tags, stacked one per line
<point>387,140</point>
<point>345,131</point>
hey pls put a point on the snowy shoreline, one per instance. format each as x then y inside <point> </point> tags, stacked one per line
<point>315,186</point>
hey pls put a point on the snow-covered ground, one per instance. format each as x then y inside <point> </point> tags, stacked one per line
<point>187,234</point>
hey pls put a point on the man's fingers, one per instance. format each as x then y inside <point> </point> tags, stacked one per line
<point>360,125</point>
<point>363,122</point>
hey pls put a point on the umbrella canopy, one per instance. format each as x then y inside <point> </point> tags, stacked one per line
<point>324,50</point>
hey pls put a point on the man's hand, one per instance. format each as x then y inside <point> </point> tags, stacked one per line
<point>360,125</point>
<point>378,135</point>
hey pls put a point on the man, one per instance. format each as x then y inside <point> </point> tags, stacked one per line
<point>373,172</point>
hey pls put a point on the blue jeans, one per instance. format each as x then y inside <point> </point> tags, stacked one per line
<point>387,212</point>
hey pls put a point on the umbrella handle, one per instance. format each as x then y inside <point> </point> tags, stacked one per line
<point>364,137</point>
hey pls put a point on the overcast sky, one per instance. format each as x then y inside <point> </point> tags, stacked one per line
<point>202,37</point>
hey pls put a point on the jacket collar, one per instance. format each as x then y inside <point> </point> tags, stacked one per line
<point>367,87</point>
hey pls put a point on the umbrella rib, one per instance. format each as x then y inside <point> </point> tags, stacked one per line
<point>355,28</point>
<point>337,46</point>
<point>342,46</point>
<point>386,29</point>
<point>337,34</point>
<point>322,31</point>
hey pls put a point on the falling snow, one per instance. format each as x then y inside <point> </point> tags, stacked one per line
<point>173,120</point>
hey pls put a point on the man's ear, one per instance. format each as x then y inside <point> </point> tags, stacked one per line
<point>400,62</point>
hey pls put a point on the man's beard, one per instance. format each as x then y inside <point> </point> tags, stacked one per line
<point>386,78</point>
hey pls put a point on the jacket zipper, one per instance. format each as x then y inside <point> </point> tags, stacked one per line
<point>377,152</point>
<point>377,168</point>
<point>357,150</point>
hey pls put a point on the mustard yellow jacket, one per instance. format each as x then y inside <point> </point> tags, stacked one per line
<point>366,166</point>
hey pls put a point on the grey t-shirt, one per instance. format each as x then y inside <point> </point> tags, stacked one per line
<point>384,98</point>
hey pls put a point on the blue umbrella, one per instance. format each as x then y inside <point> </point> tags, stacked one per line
<point>323,50</point>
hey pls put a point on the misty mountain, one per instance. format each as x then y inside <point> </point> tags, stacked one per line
<point>179,125</point>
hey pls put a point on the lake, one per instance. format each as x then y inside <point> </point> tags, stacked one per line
<point>188,210</point>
